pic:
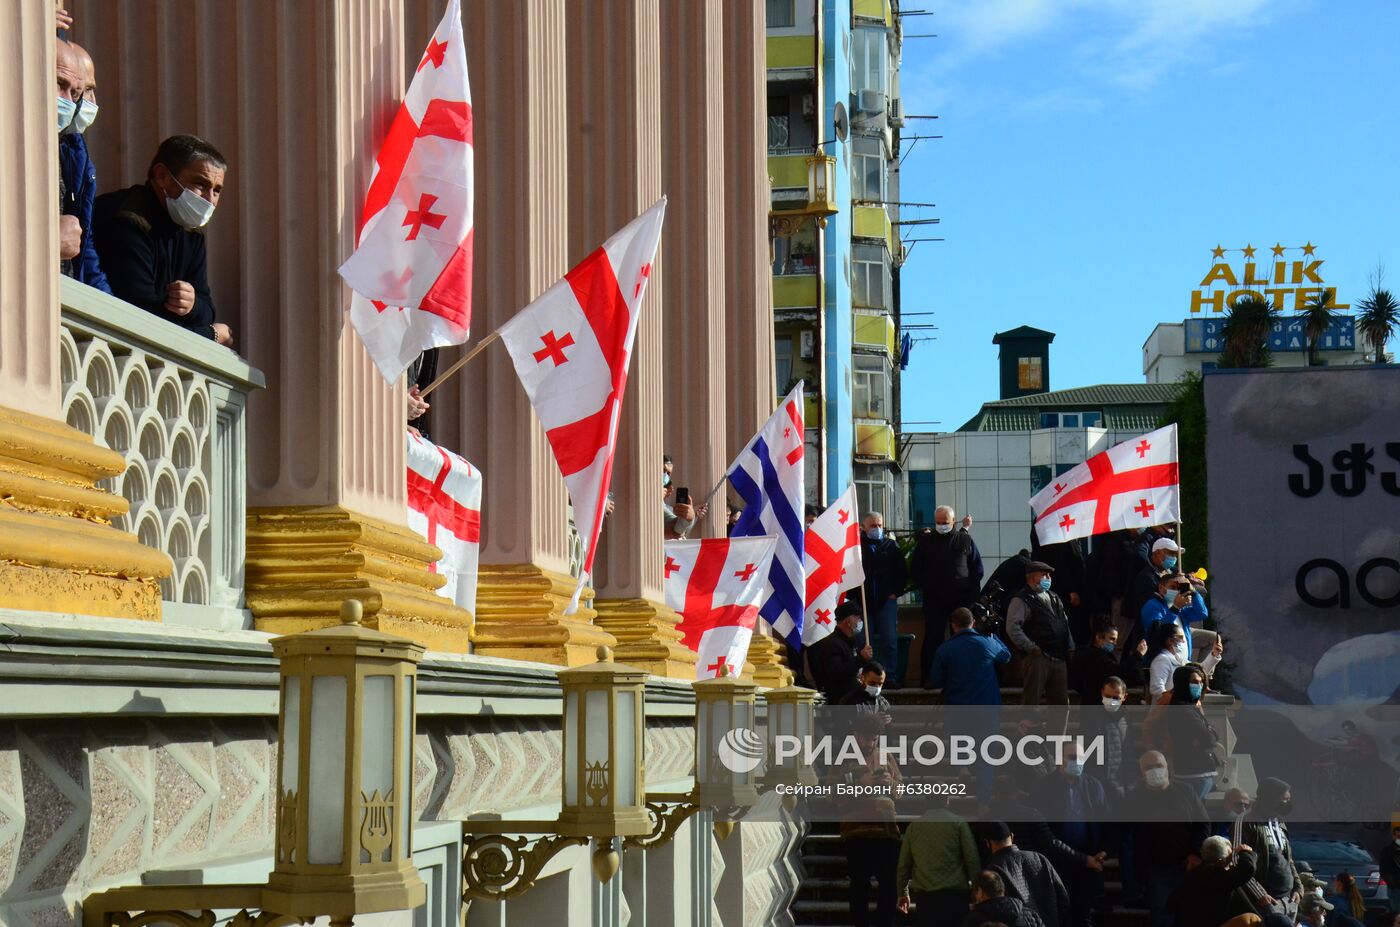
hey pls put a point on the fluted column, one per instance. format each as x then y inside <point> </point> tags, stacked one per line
<point>298,97</point>
<point>58,549</point>
<point>615,173</point>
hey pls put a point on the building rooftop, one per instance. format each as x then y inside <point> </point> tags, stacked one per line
<point>1125,406</point>
<point>1025,331</point>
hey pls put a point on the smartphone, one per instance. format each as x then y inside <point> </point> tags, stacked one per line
<point>682,495</point>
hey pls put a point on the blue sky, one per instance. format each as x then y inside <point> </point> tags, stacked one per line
<point>1094,152</point>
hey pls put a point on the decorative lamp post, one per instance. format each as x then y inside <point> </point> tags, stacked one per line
<point>345,797</point>
<point>791,713</point>
<point>821,184</point>
<point>724,721</point>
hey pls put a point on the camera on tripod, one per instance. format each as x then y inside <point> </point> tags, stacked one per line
<point>986,612</point>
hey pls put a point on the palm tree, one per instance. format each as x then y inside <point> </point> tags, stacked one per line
<point>1317,319</point>
<point>1246,330</point>
<point>1379,317</point>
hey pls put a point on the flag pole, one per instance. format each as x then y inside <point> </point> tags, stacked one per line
<point>481,346</point>
<point>865,617</point>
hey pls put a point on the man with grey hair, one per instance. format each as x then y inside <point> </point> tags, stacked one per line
<point>1212,894</point>
<point>886,575</point>
<point>947,568</point>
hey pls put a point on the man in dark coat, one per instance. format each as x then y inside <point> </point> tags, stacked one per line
<point>1071,581</point>
<point>1027,875</point>
<point>835,661</point>
<point>1268,835</point>
<point>1173,823</point>
<point>77,177</point>
<point>947,567</point>
<point>1076,808</point>
<point>991,905</point>
<point>886,577</point>
<point>149,238</point>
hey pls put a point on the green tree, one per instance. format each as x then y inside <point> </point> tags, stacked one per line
<point>1318,317</point>
<point>1246,331</point>
<point>1379,317</point>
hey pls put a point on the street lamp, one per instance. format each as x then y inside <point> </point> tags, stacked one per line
<point>821,181</point>
<point>791,713</point>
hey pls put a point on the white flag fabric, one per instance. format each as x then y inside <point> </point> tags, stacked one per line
<point>412,267</point>
<point>571,349</point>
<point>833,564</point>
<point>1131,485</point>
<point>716,584</point>
<point>770,477</point>
<point>444,506</point>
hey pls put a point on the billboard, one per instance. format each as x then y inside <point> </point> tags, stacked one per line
<point>1207,336</point>
<point>1304,479</point>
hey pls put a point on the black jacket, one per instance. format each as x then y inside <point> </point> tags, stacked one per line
<point>1033,834</point>
<point>947,567</point>
<point>143,251</point>
<point>1389,860</point>
<point>1046,623</point>
<point>1172,823</point>
<point>1010,912</point>
<point>1120,761</point>
<point>1190,741</point>
<point>1092,665</point>
<point>835,661</point>
<point>1030,878</point>
<point>1274,869</point>
<point>885,571</point>
<point>1211,895</point>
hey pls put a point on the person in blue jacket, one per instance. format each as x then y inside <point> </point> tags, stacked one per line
<point>965,668</point>
<point>1177,602</point>
<point>77,108</point>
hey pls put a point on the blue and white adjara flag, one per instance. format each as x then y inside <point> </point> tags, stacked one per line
<point>769,476</point>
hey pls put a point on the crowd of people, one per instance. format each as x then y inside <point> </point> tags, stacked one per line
<point>144,243</point>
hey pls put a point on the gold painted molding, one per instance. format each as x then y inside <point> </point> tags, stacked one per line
<point>647,636</point>
<point>769,658</point>
<point>520,616</point>
<point>303,561</point>
<point>58,549</point>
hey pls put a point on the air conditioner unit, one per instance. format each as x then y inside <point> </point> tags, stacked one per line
<point>870,101</point>
<point>896,112</point>
<point>807,345</point>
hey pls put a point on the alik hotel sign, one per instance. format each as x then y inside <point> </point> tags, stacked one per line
<point>1289,276</point>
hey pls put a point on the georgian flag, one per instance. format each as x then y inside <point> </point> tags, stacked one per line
<point>444,506</point>
<point>834,564</point>
<point>1131,485</point>
<point>769,476</point>
<point>716,585</point>
<point>411,272</point>
<point>571,348</point>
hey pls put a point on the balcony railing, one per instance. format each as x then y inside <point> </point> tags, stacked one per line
<point>172,403</point>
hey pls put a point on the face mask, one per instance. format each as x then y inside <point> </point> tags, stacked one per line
<point>875,533</point>
<point>1180,651</point>
<point>860,626</point>
<point>1045,584</point>
<point>84,117</point>
<point>66,109</point>
<point>1169,597</point>
<point>872,691</point>
<point>1285,807</point>
<point>665,479</point>
<point>189,209</point>
<point>943,529</point>
<point>1195,689</point>
<point>1156,778</point>
<point>1169,563</point>
<point>1108,646</point>
<point>1111,703</point>
<point>1074,768</point>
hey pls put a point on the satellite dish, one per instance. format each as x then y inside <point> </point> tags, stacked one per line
<point>842,121</point>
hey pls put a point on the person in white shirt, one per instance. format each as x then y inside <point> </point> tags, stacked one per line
<point>1170,653</point>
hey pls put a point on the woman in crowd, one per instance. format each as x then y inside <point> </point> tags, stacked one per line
<point>1178,727</point>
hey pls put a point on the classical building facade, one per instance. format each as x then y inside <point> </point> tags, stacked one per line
<point>166,504</point>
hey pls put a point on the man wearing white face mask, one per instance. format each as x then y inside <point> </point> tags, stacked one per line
<point>1173,826</point>
<point>150,239</point>
<point>947,567</point>
<point>77,177</point>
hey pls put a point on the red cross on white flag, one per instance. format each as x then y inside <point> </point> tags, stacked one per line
<point>571,349</point>
<point>411,272</point>
<point>717,585</point>
<point>1131,485</point>
<point>444,506</point>
<point>831,548</point>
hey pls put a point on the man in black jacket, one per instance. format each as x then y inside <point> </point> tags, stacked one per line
<point>1028,876</point>
<point>886,576</point>
<point>835,661</point>
<point>1213,892</point>
<point>990,905</point>
<point>1076,808</point>
<point>947,567</point>
<point>1268,835</point>
<point>148,236</point>
<point>1038,627</point>
<point>1173,825</point>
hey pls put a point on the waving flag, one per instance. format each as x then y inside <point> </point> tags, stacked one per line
<point>444,506</point>
<point>571,348</point>
<point>768,475</point>
<point>716,585</point>
<point>412,266</point>
<point>833,564</point>
<point>1131,485</point>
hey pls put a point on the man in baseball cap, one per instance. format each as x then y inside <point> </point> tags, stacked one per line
<point>1038,626</point>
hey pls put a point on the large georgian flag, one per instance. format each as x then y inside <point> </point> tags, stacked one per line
<point>833,564</point>
<point>571,348</point>
<point>716,585</point>
<point>444,506</point>
<point>1131,485</point>
<point>769,476</point>
<point>411,272</point>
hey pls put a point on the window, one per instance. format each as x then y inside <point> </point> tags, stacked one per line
<point>782,363</point>
<point>1030,373</point>
<point>875,493</point>
<point>781,14</point>
<point>870,277</point>
<point>1092,419</point>
<point>868,170</point>
<point>870,58</point>
<point>797,253</point>
<point>922,498</point>
<point>871,387</point>
<point>1049,420</point>
<point>779,127</point>
<point>1071,420</point>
